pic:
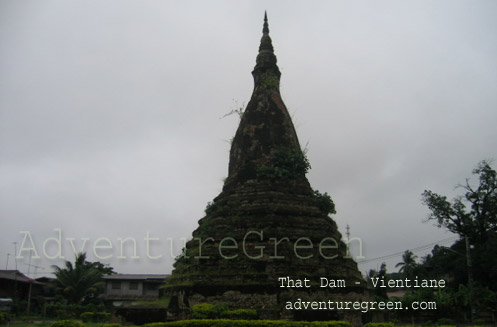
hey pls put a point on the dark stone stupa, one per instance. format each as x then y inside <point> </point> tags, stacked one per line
<point>267,222</point>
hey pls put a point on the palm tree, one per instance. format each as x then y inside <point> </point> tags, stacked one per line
<point>408,263</point>
<point>82,281</point>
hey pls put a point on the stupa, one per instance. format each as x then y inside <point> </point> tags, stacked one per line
<point>268,229</point>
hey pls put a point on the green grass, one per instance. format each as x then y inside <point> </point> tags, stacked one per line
<point>31,323</point>
<point>160,303</point>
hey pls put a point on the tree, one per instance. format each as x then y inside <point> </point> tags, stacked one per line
<point>82,281</point>
<point>380,292</point>
<point>448,263</point>
<point>473,215</point>
<point>408,263</point>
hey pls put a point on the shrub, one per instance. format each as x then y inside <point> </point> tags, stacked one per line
<point>248,323</point>
<point>379,324</point>
<point>101,316</point>
<point>86,317</point>
<point>95,317</point>
<point>155,324</point>
<point>324,203</point>
<point>338,323</point>
<point>4,318</point>
<point>245,314</point>
<point>445,321</point>
<point>208,311</point>
<point>201,311</point>
<point>284,164</point>
<point>210,208</point>
<point>110,325</point>
<point>67,323</point>
<point>71,311</point>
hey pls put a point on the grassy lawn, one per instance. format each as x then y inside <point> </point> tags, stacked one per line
<point>30,323</point>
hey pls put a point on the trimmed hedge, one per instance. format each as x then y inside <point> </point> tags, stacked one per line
<point>208,311</point>
<point>240,314</point>
<point>379,324</point>
<point>86,316</point>
<point>71,311</point>
<point>67,323</point>
<point>248,323</point>
<point>391,324</point>
<point>75,323</point>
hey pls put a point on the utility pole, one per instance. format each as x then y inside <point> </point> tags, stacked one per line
<point>31,281</point>
<point>470,279</point>
<point>15,280</point>
<point>7,264</point>
<point>28,308</point>
<point>29,262</point>
<point>15,253</point>
<point>348,240</point>
<point>470,276</point>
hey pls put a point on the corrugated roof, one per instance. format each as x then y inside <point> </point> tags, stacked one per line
<point>136,276</point>
<point>16,275</point>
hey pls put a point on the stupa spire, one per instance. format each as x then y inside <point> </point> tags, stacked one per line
<point>265,29</point>
<point>266,126</point>
<point>266,40</point>
<point>266,60</point>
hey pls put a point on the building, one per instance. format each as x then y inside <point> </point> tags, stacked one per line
<point>14,284</point>
<point>18,287</point>
<point>121,289</point>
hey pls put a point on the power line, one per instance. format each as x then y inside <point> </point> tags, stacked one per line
<point>417,249</point>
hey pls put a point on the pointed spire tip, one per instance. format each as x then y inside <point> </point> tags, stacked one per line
<point>265,29</point>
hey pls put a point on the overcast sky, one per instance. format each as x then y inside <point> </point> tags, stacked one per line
<point>110,116</point>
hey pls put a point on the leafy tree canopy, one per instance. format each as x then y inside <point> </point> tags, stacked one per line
<point>473,214</point>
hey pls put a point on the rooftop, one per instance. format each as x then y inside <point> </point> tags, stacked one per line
<point>136,277</point>
<point>16,275</point>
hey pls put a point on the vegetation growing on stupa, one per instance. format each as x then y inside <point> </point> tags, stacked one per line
<point>269,81</point>
<point>324,202</point>
<point>284,164</point>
